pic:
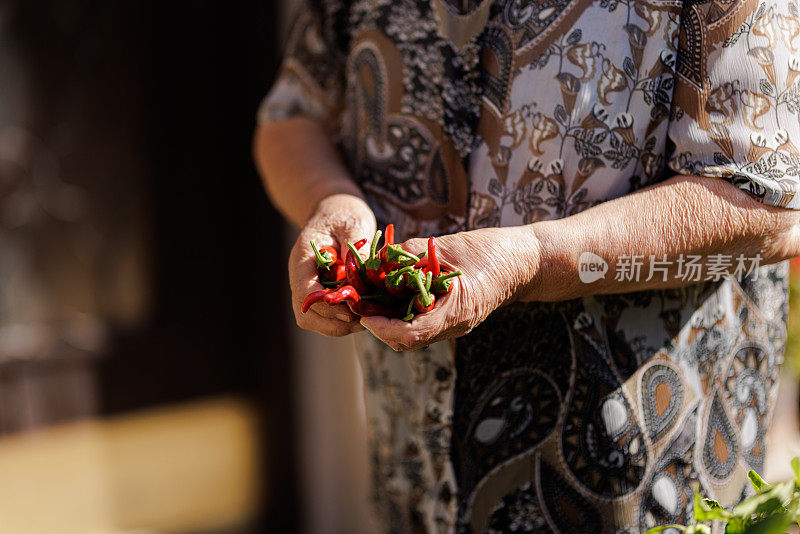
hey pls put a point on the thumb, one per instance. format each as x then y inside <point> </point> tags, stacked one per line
<point>375,324</point>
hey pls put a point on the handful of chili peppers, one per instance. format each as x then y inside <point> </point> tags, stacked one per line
<point>391,282</point>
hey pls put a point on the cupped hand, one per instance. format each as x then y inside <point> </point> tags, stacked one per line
<point>496,263</point>
<point>338,219</point>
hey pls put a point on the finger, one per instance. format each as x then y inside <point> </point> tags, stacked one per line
<point>340,312</point>
<point>328,327</point>
<point>432,327</point>
<point>352,235</point>
<point>303,275</point>
<point>313,320</point>
<point>353,325</point>
<point>320,234</point>
<point>357,327</point>
<point>399,335</point>
<point>309,284</point>
<point>376,325</point>
<point>423,330</point>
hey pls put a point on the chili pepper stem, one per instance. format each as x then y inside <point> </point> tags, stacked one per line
<point>442,282</point>
<point>424,295</point>
<point>396,252</point>
<point>409,310</point>
<point>374,245</point>
<point>373,263</point>
<point>395,277</point>
<point>356,255</point>
<point>322,261</point>
<point>447,276</point>
<point>408,255</point>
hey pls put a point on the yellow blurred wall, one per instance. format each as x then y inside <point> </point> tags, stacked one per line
<point>179,469</point>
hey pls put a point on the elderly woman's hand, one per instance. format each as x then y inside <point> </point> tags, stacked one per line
<point>337,220</point>
<point>495,262</point>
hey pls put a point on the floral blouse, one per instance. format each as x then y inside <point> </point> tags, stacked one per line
<point>600,414</point>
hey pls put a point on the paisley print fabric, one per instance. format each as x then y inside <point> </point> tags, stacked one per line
<point>601,414</point>
<point>736,98</point>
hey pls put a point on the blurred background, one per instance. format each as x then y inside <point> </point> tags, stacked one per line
<point>151,375</point>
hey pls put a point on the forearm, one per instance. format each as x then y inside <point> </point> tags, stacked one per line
<point>681,217</point>
<point>300,167</point>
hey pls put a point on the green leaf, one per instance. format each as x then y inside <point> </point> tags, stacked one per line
<point>756,481</point>
<point>768,501</point>
<point>708,509</point>
<point>793,508</point>
<point>796,469</point>
<point>773,524</point>
<point>662,528</point>
<point>699,528</point>
<point>735,526</point>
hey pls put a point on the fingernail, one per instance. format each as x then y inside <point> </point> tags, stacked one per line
<point>343,317</point>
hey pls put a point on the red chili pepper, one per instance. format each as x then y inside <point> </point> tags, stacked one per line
<point>424,300</point>
<point>326,256</point>
<point>433,261</point>
<point>388,239</point>
<point>333,276</point>
<point>377,277</point>
<point>353,265</point>
<point>373,265</point>
<point>348,293</point>
<point>396,282</point>
<point>443,282</point>
<point>358,244</point>
<point>419,303</point>
<point>389,266</point>
<point>313,297</point>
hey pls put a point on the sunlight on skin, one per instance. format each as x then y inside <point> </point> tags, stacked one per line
<point>683,215</point>
<point>537,262</point>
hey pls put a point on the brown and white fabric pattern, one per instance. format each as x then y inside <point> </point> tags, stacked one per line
<point>601,414</point>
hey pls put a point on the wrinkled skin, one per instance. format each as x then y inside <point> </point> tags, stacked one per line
<point>337,220</point>
<point>680,215</point>
<point>493,268</point>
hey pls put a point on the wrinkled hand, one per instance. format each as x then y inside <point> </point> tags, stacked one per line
<point>495,262</point>
<point>337,220</point>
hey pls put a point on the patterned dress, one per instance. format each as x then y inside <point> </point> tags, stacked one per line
<point>600,414</point>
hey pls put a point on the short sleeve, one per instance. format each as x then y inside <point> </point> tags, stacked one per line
<point>310,80</point>
<point>736,100</point>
